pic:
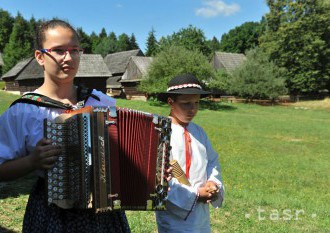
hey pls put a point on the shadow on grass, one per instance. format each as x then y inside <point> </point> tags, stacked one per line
<point>21,186</point>
<point>5,230</point>
<point>203,105</point>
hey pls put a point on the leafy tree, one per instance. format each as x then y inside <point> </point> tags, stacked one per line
<point>6,25</point>
<point>190,38</point>
<point>85,41</point>
<point>133,43</point>
<point>19,45</point>
<point>152,44</point>
<point>298,39</point>
<point>258,77</point>
<point>220,83</point>
<point>172,61</point>
<point>124,43</point>
<point>241,38</point>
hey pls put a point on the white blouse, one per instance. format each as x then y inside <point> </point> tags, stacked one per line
<point>184,213</point>
<point>21,126</point>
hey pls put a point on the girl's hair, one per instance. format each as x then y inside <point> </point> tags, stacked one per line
<point>41,35</point>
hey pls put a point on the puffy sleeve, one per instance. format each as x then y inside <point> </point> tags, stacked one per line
<point>20,129</point>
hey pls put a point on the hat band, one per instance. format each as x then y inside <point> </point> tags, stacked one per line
<point>184,86</point>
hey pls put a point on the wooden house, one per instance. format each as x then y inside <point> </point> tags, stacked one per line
<point>136,70</point>
<point>116,63</point>
<point>227,61</point>
<point>28,75</point>
<point>11,84</point>
<point>93,72</point>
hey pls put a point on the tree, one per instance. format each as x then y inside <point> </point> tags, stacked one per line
<point>214,44</point>
<point>123,43</point>
<point>190,38</point>
<point>241,38</point>
<point>133,43</point>
<point>85,41</point>
<point>298,39</point>
<point>95,40</point>
<point>103,33</point>
<point>6,25</point>
<point>152,44</point>
<point>258,77</point>
<point>19,45</point>
<point>172,61</point>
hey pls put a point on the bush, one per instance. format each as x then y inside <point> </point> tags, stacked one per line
<point>258,78</point>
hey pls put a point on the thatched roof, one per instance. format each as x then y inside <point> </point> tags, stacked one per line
<point>228,61</point>
<point>117,62</point>
<point>141,63</point>
<point>17,69</point>
<point>92,65</point>
<point>1,60</point>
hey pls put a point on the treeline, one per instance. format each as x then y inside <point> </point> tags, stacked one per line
<point>288,50</point>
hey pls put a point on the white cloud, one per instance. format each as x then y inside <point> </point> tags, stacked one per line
<point>214,8</point>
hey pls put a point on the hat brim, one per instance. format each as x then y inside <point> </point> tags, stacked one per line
<point>187,91</point>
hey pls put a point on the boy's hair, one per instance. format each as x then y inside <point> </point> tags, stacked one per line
<point>41,35</point>
<point>173,96</point>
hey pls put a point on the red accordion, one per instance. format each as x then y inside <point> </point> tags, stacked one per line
<point>113,158</point>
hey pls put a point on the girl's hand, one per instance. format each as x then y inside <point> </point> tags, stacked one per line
<point>45,154</point>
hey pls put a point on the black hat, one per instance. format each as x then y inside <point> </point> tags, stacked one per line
<point>183,84</point>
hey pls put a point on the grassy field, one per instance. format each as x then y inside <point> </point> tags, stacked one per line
<point>275,164</point>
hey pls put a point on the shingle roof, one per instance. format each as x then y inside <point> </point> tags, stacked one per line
<point>113,82</point>
<point>117,62</point>
<point>1,60</point>
<point>17,68</point>
<point>92,65</point>
<point>142,63</point>
<point>230,61</point>
<point>32,71</point>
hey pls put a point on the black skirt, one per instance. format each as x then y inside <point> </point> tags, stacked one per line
<point>39,217</point>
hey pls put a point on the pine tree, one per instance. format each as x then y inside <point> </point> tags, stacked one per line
<point>6,25</point>
<point>19,45</point>
<point>152,44</point>
<point>133,43</point>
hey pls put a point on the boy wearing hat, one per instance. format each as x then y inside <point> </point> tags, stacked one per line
<point>188,205</point>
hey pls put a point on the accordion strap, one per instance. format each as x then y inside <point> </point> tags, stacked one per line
<point>45,101</point>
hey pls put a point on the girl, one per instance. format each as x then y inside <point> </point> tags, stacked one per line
<point>188,206</point>
<point>23,148</point>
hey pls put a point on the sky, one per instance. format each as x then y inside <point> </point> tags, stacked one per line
<point>213,17</point>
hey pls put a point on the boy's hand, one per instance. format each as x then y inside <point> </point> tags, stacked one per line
<point>208,192</point>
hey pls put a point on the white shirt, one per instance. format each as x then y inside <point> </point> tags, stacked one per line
<point>182,199</point>
<point>21,126</point>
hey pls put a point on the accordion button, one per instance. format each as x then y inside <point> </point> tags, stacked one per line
<point>50,200</point>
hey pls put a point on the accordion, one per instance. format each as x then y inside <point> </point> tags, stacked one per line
<point>113,158</point>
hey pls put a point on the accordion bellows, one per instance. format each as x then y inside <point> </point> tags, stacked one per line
<point>113,158</point>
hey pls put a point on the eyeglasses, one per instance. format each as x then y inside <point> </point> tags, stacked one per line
<point>61,52</point>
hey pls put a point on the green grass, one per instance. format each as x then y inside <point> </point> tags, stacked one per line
<point>275,166</point>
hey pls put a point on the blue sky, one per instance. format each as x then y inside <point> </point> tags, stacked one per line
<point>214,17</point>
